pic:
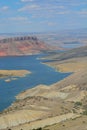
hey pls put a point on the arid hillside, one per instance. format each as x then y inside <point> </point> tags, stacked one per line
<point>23,45</point>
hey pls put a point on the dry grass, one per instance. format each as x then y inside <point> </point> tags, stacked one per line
<point>69,65</point>
<point>73,124</point>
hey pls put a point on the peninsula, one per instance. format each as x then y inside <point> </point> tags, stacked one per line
<point>13,73</point>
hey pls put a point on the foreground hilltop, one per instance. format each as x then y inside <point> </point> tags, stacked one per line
<point>22,45</point>
<point>59,106</point>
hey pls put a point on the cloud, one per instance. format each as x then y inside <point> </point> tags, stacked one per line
<point>44,10</point>
<point>39,8</point>
<point>62,12</point>
<point>18,18</point>
<point>27,0</point>
<point>51,24</point>
<point>29,7</point>
<point>4,8</point>
<point>84,12</point>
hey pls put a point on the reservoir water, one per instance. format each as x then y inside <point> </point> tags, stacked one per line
<point>41,74</point>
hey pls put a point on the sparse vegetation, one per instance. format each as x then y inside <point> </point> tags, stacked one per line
<point>38,129</point>
<point>85,112</point>
<point>78,103</point>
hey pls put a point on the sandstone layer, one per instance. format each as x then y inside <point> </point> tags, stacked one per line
<point>22,45</point>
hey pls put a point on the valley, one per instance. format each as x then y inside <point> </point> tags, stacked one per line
<point>64,101</point>
<point>43,64</point>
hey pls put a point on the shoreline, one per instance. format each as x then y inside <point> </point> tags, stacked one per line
<point>11,77</point>
<point>56,69</point>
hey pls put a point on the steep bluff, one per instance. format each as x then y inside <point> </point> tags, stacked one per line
<point>23,45</point>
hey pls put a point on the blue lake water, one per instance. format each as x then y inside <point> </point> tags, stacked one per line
<point>41,74</point>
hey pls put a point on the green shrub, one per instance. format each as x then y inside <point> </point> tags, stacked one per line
<point>78,103</point>
<point>38,129</point>
<point>85,112</point>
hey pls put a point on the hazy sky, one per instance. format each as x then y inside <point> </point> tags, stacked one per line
<point>42,15</point>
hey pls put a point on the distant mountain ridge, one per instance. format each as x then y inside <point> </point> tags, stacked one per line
<point>22,45</point>
<point>21,38</point>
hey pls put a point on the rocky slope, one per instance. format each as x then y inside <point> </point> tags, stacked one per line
<point>26,45</point>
